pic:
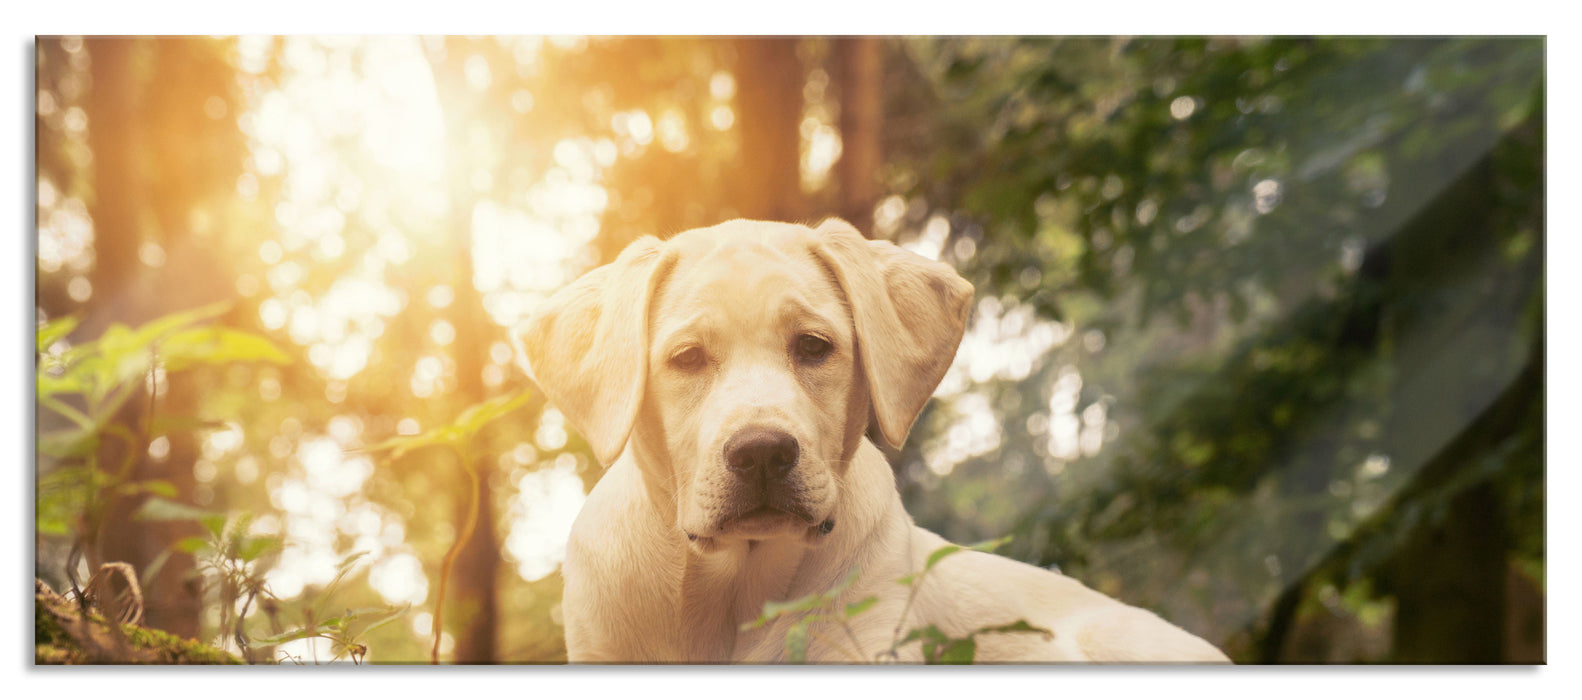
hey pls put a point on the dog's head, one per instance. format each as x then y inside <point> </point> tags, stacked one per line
<point>744,363</point>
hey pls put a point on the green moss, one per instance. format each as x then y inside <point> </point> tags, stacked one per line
<point>60,637</point>
<point>174,649</point>
<point>46,655</point>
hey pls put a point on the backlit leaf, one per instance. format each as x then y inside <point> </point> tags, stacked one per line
<point>476,416</point>
<point>216,346</point>
<point>161,509</point>
<point>254,547</point>
<point>68,443</point>
<point>191,545</point>
<point>53,331</point>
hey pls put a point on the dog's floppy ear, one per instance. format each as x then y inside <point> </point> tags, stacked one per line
<point>587,346</point>
<point>910,313</point>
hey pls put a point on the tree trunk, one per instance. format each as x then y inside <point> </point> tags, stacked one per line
<point>122,292</point>
<point>115,129</point>
<point>472,610</point>
<point>859,77</point>
<point>769,99</point>
<point>1524,619</point>
<point>1450,589</point>
<point>478,563</point>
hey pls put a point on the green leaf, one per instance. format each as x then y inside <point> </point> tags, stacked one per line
<point>68,443</point>
<point>118,357</point>
<point>930,633</point>
<point>1018,626</point>
<point>70,479</point>
<point>348,561</point>
<point>252,548</point>
<point>458,431</point>
<point>157,487</point>
<point>958,651</point>
<point>861,606</point>
<point>53,521</point>
<point>386,618</point>
<point>55,330</point>
<point>402,445</point>
<point>990,545</point>
<point>160,509</point>
<point>217,346</point>
<point>476,416</point>
<point>179,319</point>
<point>191,545</point>
<point>807,603</point>
<point>939,554</point>
<point>299,633</point>
<point>341,570</point>
<point>61,497</point>
<point>774,609</point>
<point>341,622</point>
<point>796,642</point>
<point>48,385</point>
<point>55,513</point>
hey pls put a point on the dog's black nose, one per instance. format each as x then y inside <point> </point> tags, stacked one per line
<point>757,451</point>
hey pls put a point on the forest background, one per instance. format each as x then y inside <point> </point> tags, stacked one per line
<point>1259,340</point>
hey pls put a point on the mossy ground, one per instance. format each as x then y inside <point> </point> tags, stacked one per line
<point>62,636</point>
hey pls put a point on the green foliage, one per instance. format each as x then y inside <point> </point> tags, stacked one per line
<point>88,383</point>
<point>161,509</point>
<point>457,433</point>
<point>1308,264</point>
<point>232,563</point>
<point>939,555</point>
<point>825,607</point>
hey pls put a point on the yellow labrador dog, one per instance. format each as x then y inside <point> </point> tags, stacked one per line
<point>728,376</point>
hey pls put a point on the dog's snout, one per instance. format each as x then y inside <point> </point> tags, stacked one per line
<point>769,453</point>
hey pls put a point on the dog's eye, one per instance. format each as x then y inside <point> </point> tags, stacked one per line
<point>812,348</point>
<point>689,359</point>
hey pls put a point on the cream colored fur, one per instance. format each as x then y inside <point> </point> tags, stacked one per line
<point>660,357</point>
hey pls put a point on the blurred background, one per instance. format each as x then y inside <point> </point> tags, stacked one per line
<point>1258,342</point>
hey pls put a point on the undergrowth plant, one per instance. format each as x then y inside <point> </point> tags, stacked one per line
<point>232,563</point>
<point>937,647</point>
<point>88,384</point>
<point>344,631</point>
<point>456,436</point>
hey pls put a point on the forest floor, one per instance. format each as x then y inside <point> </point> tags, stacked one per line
<point>65,633</point>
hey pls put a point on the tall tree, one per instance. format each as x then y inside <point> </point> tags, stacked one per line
<point>859,75</point>
<point>769,79</point>
<point>161,128</point>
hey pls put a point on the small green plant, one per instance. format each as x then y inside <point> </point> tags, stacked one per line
<point>231,564</point>
<point>345,636</point>
<point>824,607</point>
<point>228,561</point>
<point>89,383</point>
<point>457,436</point>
